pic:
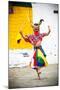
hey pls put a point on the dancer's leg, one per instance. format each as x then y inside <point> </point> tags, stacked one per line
<point>38,73</point>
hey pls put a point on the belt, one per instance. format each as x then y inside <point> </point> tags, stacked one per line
<point>38,47</point>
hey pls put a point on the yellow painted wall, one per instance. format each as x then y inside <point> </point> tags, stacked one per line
<point>19,20</point>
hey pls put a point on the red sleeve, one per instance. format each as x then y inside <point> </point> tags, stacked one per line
<point>31,38</point>
<point>26,38</point>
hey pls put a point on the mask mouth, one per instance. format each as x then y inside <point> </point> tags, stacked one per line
<point>36,33</point>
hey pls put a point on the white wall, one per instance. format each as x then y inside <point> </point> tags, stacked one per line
<point>50,43</point>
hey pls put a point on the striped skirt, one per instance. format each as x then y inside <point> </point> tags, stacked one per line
<point>39,60</point>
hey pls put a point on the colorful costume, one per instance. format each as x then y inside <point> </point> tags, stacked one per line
<point>39,57</point>
<point>39,60</point>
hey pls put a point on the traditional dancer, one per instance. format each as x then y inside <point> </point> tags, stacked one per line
<point>39,57</point>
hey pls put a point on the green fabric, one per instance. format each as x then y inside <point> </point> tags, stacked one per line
<point>40,60</point>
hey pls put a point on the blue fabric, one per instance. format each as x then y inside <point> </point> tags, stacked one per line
<point>40,47</point>
<point>42,50</point>
<point>40,62</point>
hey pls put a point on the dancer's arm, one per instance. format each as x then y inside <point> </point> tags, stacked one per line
<point>24,37</point>
<point>27,39</point>
<point>49,30</point>
<point>46,34</point>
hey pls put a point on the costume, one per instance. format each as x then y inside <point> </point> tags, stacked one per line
<point>39,60</point>
<point>39,57</point>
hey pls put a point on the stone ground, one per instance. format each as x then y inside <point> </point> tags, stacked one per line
<point>27,77</point>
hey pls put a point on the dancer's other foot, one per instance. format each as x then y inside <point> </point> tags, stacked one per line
<point>39,75</point>
<point>39,78</point>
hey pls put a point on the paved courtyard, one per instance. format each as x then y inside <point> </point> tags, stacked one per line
<point>27,77</point>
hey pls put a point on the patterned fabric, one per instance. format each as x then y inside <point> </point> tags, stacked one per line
<point>39,60</point>
<point>39,57</point>
<point>36,38</point>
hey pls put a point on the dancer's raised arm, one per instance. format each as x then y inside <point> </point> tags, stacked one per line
<point>49,30</point>
<point>46,34</point>
<point>25,37</point>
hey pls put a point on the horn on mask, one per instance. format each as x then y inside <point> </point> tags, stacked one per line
<point>40,22</point>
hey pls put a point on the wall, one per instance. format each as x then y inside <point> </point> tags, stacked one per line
<point>19,20</point>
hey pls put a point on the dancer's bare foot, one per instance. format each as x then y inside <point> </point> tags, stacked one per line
<point>39,76</point>
<point>38,73</point>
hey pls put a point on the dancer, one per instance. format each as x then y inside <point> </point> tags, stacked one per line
<point>39,57</point>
